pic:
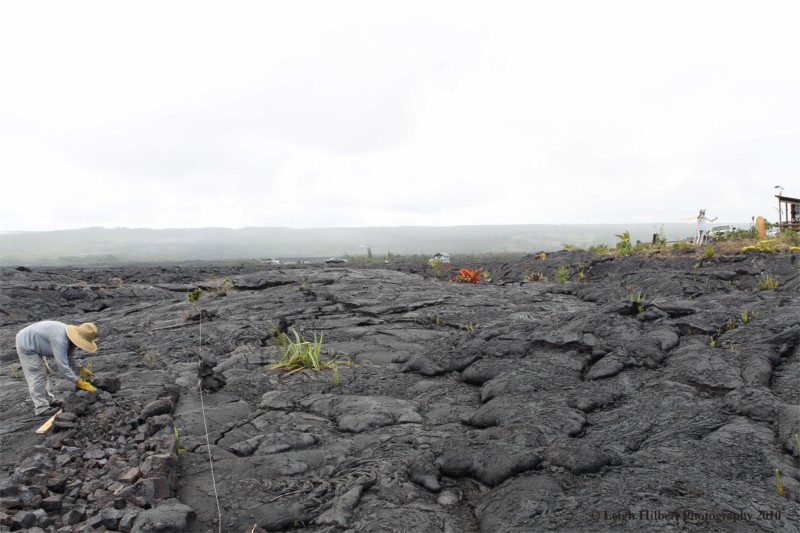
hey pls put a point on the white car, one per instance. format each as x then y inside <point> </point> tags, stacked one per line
<point>721,232</point>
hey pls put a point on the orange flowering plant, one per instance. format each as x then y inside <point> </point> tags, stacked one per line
<point>466,275</point>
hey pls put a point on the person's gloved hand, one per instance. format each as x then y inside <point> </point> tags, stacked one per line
<point>85,385</point>
<point>85,373</point>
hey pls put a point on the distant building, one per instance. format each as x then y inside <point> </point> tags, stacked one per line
<point>788,213</point>
<point>442,258</point>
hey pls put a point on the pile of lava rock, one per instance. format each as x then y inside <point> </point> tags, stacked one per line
<point>104,466</point>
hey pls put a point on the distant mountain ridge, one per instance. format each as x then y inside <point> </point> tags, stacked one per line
<point>123,245</point>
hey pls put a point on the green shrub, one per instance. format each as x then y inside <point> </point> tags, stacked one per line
<point>150,358</point>
<point>624,246</point>
<point>436,266</point>
<point>599,249</point>
<point>194,295</point>
<point>709,251</point>
<point>789,237</point>
<point>767,283</point>
<point>562,274</point>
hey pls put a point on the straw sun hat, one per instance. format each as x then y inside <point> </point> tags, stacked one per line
<point>83,336</point>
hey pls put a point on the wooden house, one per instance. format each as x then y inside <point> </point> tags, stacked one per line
<point>788,213</point>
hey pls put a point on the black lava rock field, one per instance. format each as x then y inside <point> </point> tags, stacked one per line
<point>565,392</point>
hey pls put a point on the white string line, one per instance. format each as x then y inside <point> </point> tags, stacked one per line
<point>205,423</point>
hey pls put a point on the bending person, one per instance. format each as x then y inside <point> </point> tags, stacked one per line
<point>58,340</point>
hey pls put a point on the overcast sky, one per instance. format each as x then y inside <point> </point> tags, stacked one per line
<point>376,113</point>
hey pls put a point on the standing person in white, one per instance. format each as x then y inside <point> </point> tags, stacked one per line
<point>701,233</point>
<point>58,340</point>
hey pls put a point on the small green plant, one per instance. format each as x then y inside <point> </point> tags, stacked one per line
<point>562,274</point>
<point>747,317</point>
<point>637,296</point>
<point>194,295</point>
<point>535,276</point>
<point>14,372</point>
<point>640,299</point>
<point>150,358</point>
<point>599,249</point>
<point>178,440</point>
<point>335,376</point>
<point>434,319</point>
<point>300,354</point>
<point>227,284</point>
<point>728,326</point>
<point>527,275</point>
<point>436,266</point>
<point>778,484</point>
<point>661,239</point>
<point>624,246</point>
<point>582,276</point>
<point>681,245</point>
<point>485,275</point>
<point>709,251</point>
<point>279,339</point>
<point>470,327</point>
<point>767,283</point>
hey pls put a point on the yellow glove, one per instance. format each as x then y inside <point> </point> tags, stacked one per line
<point>85,385</point>
<point>85,373</point>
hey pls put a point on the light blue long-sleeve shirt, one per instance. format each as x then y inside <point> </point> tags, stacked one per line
<point>50,338</point>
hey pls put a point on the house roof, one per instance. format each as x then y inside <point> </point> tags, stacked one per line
<point>788,199</point>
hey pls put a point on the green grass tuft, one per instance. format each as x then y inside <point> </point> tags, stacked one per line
<point>299,354</point>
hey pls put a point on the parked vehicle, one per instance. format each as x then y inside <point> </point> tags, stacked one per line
<point>335,261</point>
<point>721,232</point>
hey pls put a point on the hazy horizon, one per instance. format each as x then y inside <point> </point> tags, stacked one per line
<point>120,245</point>
<point>740,224</point>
